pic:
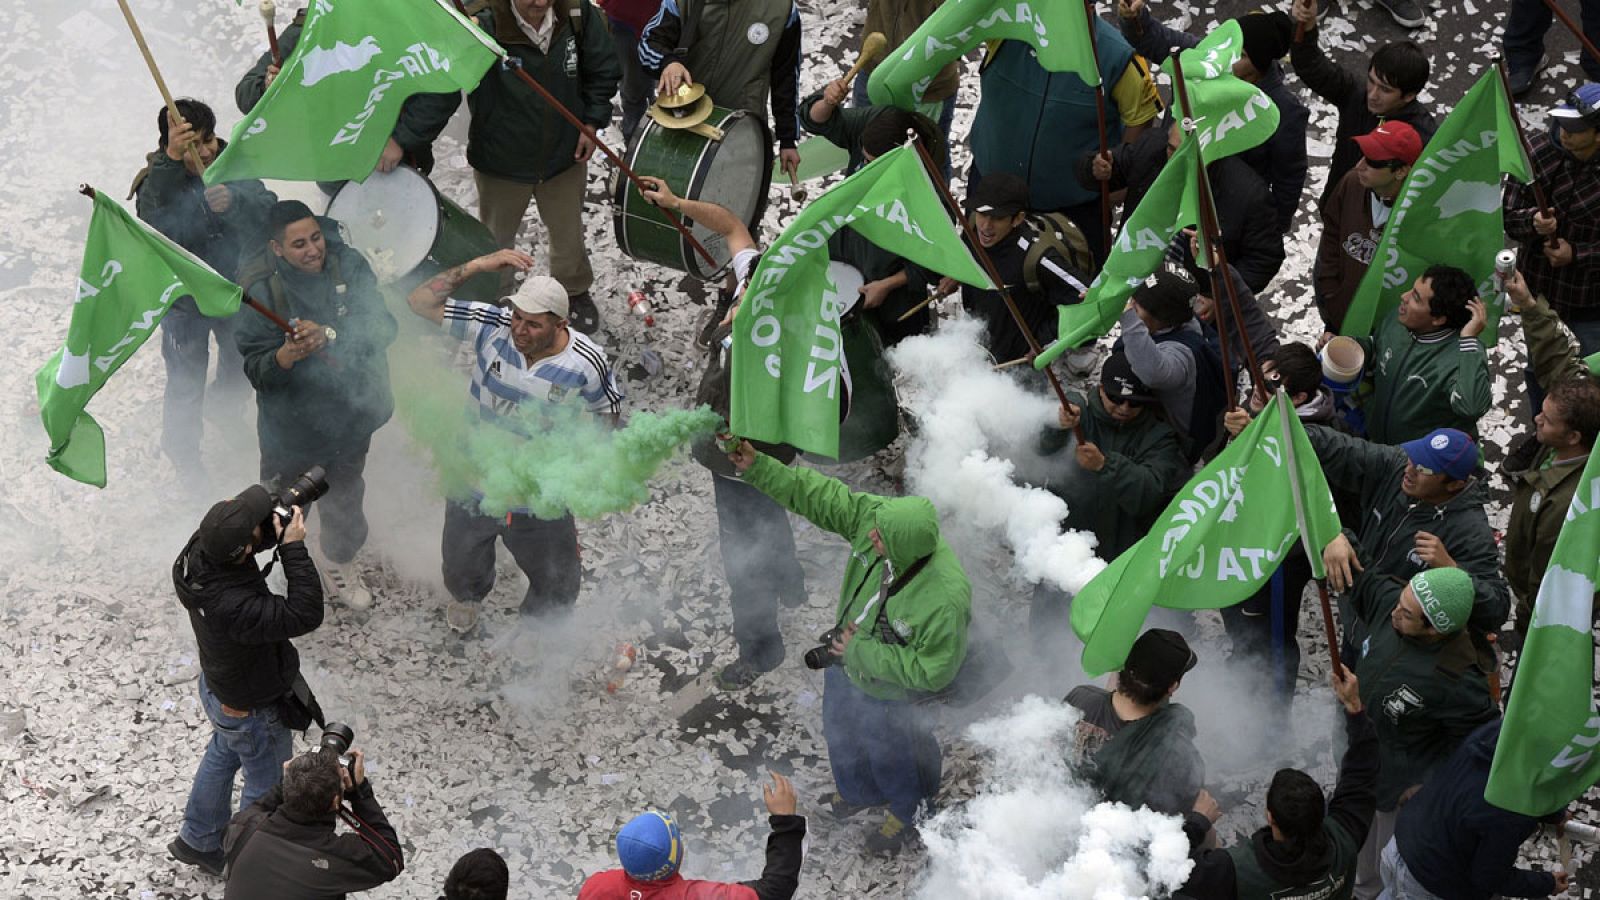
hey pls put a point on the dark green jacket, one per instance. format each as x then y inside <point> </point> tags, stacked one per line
<point>1423,382</point>
<point>1390,521</point>
<point>1145,466</point>
<point>843,129</point>
<point>174,203</point>
<point>1152,762</point>
<point>1425,697</point>
<point>337,396</point>
<point>930,615</point>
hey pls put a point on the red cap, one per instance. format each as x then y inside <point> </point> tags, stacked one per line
<point>1391,140</point>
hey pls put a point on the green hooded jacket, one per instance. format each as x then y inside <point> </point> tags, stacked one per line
<point>1424,381</point>
<point>930,614</point>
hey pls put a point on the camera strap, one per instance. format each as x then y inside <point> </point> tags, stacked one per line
<point>886,632</point>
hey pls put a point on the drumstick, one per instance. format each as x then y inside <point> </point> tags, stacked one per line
<point>918,308</point>
<point>269,15</point>
<point>871,49</point>
<point>1006,365</point>
<point>797,193</point>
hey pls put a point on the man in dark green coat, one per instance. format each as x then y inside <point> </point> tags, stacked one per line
<point>322,391</point>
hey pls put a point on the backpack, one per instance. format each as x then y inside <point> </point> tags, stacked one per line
<point>1059,233</point>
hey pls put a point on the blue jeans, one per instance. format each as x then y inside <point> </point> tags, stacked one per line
<point>186,349</point>
<point>636,85</point>
<point>258,743</point>
<point>881,751</point>
<point>1526,26</point>
<point>947,116</point>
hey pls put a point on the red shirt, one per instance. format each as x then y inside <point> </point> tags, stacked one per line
<point>615,884</point>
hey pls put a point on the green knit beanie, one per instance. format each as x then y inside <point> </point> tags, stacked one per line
<point>1445,596</point>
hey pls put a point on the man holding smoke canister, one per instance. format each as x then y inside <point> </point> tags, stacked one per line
<point>250,685</point>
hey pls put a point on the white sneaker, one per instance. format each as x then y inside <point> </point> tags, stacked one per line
<point>341,583</point>
<point>462,617</point>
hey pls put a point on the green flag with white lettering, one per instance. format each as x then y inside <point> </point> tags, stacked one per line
<point>1448,211</point>
<point>1058,31</point>
<point>1546,756</point>
<point>1217,542</point>
<point>130,277</point>
<point>788,360</point>
<point>329,113</point>
<point>1231,115</point>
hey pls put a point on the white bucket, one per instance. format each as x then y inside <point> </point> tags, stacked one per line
<point>1342,361</point>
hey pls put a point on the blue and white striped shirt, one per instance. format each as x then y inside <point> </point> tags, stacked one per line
<point>502,378</point>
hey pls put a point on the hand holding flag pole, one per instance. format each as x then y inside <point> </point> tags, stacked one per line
<point>269,15</point>
<point>1516,118</point>
<point>1314,554</point>
<point>161,84</point>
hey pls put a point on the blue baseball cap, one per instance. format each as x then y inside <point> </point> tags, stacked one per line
<point>1444,450</point>
<point>650,847</point>
<point>1582,103</point>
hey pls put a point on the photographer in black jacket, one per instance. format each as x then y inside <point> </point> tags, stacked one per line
<point>283,847</point>
<point>249,670</point>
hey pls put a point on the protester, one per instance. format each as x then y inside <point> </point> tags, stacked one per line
<point>324,389</point>
<point>900,633</point>
<point>218,224</point>
<point>1138,742</point>
<point>1395,76</point>
<point>1215,314</point>
<point>525,358</point>
<point>479,874</point>
<point>1354,215</point>
<point>1451,842</point>
<point>249,672</point>
<point>285,845</point>
<point>1522,43</point>
<point>897,20</point>
<point>1168,351</point>
<point>1306,849</point>
<point>650,848</point>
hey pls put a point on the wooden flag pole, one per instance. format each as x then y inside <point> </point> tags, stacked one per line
<point>161,84</point>
<point>1573,27</point>
<point>269,15</point>
<point>1100,123</point>
<point>1300,519</point>
<point>1539,195</point>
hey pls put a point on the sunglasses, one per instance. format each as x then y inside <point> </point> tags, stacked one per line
<point>1382,163</point>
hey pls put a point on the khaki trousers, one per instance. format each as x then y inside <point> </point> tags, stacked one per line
<point>502,204</point>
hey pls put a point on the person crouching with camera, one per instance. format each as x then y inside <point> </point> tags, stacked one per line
<point>249,672</point>
<point>284,846</point>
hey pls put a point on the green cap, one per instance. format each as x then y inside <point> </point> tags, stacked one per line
<point>1446,597</point>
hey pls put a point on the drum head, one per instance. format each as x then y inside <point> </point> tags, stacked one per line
<point>392,218</point>
<point>847,282</point>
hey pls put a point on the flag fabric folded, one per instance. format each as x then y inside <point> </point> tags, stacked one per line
<point>1231,115</point>
<point>788,360</point>
<point>130,277</point>
<point>329,112</point>
<point>1546,755</point>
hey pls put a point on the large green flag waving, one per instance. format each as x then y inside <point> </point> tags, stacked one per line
<point>1217,542</point>
<point>1546,756</point>
<point>1449,210</point>
<point>328,114</point>
<point>1057,29</point>
<point>788,357</point>
<point>1231,115</point>
<point>130,277</point>
<point>1171,204</point>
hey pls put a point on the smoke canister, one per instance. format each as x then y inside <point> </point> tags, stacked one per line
<point>640,304</point>
<point>621,661</point>
<point>1505,262</point>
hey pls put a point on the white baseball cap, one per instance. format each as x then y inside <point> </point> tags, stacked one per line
<point>541,294</point>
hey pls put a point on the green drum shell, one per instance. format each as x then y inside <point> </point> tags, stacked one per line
<point>699,169</point>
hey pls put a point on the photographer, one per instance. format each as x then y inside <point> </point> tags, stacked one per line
<point>249,670</point>
<point>284,846</point>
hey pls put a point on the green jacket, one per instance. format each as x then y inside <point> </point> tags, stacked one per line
<point>1145,466</point>
<point>340,395</point>
<point>1424,697</point>
<point>843,129</point>
<point>1423,382</point>
<point>174,203</point>
<point>930,614</point>
<point>1390,522</point>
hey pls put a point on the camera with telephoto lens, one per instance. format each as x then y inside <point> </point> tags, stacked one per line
<point>823,656</point>
<point>336,739</point>
<point>302,492</point>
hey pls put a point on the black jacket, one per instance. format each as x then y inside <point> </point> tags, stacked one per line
<point>272,855</point>
<point>242,628</point>
<point>1063,286</point>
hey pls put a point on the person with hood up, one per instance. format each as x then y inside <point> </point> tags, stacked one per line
<point>901,634</point>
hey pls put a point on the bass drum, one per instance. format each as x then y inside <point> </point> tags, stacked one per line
<point>735,172</point>
<point>872,419</point>
<point>409,231</point>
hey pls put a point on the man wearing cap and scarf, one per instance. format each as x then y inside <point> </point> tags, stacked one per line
<point>1425,681</point>
<point>1281,159</point>
<point>248,668</point>
<point>523,356</point>
<point>901,634</point>
<point>1560,254</point>
<point>1354,216</point>
<point>650,848</point>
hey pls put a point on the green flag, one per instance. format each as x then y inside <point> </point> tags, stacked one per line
<point>329,113</point>
<point>130,277</point>
<point>788,363</point>
<point>1058,31</point>
<point>1171,204</point>
<point>1546,755</point>
<point>1216,543</point>
<point>1231,115</point>
<point>1449,210</point>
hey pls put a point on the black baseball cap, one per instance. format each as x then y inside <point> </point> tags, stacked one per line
<point>999,194</point>
<point>1120,383</point>
<point>229,526</point>
<point>1159,658</point>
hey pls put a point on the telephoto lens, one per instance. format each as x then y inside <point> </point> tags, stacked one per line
<point>306,489</point>
<point>336,739</point>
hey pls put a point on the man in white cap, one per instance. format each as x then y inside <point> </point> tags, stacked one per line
<point>522,353</point>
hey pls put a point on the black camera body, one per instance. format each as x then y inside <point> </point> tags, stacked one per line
<point>822,656</point>
<point>336,739</point>
<point>301,492</point>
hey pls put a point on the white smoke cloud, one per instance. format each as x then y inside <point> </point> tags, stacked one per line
<point>1036,832</point>
<point>966,411</point>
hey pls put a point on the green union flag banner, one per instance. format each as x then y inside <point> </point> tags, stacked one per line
<point>1057,29</point>
<point>330,111</point>
<point>1217,542</point>
<point>1449,210</point>
<point>1231,114</point>
<point>788,354</point>
<point>130,277</point>
<point>1546,756</point>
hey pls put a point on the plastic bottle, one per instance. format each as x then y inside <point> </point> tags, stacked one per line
<point>622,661</point>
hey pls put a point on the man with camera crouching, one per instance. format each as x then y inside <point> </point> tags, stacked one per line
<point>285,845</point>
<point>250,685</point>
